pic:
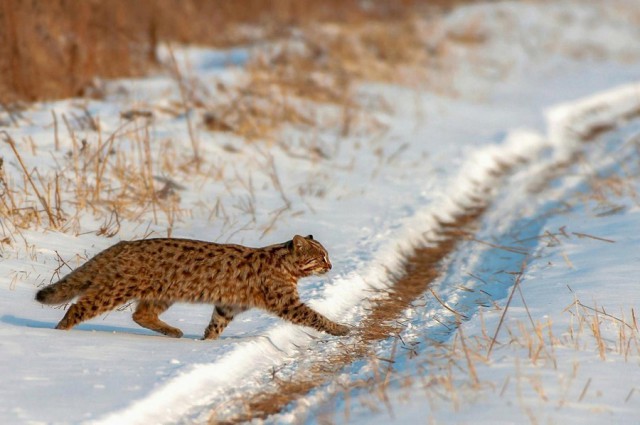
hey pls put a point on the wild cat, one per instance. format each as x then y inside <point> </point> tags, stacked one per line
<point>159,272</point>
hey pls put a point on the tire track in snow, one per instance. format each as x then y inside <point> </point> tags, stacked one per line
<point>423,265</point>
<point>581,128</point>
<point>429,236</point>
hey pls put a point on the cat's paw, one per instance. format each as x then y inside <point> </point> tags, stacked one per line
<point>172,332</point>
<point>340,330</point>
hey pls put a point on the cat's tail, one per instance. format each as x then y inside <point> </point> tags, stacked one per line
<point>79,280</point>
<point>62,291</point>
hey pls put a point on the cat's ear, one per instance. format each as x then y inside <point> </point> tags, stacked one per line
<point>310,237</point>
<point>298,243</point>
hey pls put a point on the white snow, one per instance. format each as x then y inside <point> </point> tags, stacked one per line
<point>575,261</point>
<point>369,203</point>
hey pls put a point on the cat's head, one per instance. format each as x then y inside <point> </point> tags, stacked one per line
<point>310,255</point>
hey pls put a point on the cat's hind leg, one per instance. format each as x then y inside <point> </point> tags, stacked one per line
<point>91,304</point>
<point>221,317</point>
<point>146,315</point>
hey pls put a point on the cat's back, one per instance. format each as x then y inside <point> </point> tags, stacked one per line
<point>171,259</point>
<point>178,252</point>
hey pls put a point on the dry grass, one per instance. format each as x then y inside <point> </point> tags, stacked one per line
<point>318,63</point>
<point>126,175</point>
<point>53,49</point>
<point>531,345</point>
<point>113,176</point>
<point>318,53</point>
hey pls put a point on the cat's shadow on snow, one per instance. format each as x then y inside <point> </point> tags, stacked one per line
<point>30,323</point>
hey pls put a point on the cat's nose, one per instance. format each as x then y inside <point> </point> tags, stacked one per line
<point>329,266</point>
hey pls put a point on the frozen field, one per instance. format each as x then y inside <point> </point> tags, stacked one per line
<point>532,316</point>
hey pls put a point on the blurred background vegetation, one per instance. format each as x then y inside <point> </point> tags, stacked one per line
<point>57,48</point>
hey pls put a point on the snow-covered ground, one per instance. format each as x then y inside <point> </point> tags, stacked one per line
<point>567,350</point>
<point>563,223</point>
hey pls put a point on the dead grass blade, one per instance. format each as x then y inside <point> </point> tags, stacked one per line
<point>45,204</point>
<point>506,307</point>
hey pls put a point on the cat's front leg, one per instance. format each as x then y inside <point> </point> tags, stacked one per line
<point>301,314</point>
<point>221,317</point>
<point>286,304</point>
